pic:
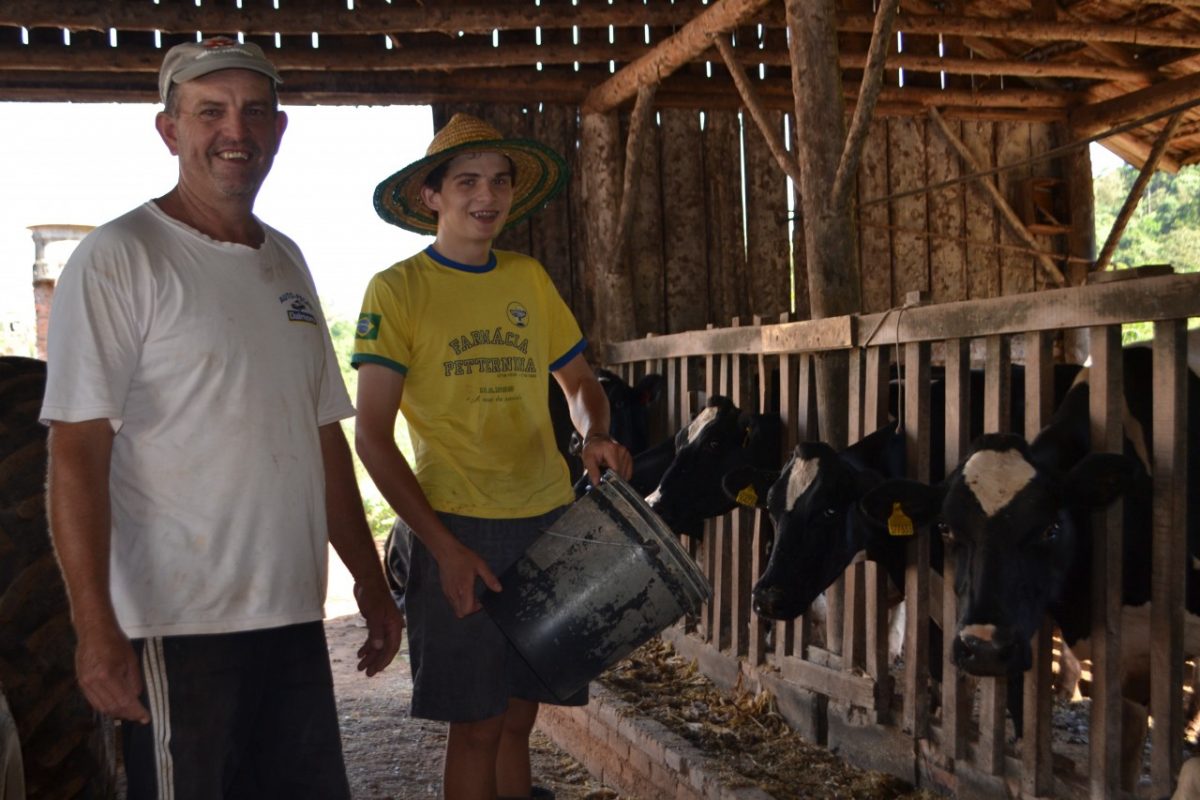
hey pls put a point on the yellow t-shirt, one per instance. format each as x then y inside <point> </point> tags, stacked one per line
<point>476,346</point>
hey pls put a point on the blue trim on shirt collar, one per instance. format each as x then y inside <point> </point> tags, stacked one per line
<point>561,361</point>
<point>476,268</point>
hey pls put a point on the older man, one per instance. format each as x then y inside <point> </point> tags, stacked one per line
<point>198,468</point>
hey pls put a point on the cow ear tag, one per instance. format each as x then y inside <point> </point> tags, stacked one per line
<point>898,523</point>
<point>748,497</point>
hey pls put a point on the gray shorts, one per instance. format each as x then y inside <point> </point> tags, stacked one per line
<point>465,670</point>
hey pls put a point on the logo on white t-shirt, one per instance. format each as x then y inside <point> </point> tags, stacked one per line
<point>299,309</point>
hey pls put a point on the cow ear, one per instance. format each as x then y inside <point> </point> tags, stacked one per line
<point>1100,478</point>
<point>748,486</point>
<point>900,499</point>
<point>650,389</point>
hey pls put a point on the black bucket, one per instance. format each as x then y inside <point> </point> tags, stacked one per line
<point>603,580</point>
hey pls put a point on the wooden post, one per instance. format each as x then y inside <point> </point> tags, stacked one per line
<point>916,574</point>
<point>1170,550</point>
<point>612,302</point>
<point>1135,192</point>
<point>1104,765</point>
<point>1053,274</point>
<point>831,242</point>
<point>956,700</point>
<point>1036,764</point>
<point>1081,241</point>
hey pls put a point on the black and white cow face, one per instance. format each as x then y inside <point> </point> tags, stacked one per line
<point>810,503</point>
<point>719,440</point>
<point>1013,530</point>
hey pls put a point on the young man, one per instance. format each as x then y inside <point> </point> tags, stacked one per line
<point>463,340</point>
<point>198,468</point>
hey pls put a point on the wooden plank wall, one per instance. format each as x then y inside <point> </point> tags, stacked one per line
<point>711,238</point>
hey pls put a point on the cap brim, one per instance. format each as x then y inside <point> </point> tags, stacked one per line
<point>541,174</point>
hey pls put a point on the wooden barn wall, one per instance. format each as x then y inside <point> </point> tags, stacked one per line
<point>710,235</point>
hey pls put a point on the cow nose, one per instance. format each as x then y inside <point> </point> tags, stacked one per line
<point>766,601</point>
<point>984,649</point>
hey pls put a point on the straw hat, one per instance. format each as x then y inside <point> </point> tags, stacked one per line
<point>541,174</point>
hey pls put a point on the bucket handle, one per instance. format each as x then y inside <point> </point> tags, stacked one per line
<point>652,548</point>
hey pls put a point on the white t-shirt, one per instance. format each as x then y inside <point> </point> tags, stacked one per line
<point>213,362</point>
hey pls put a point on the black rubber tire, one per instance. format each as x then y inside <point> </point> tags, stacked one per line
<point>64,747</point>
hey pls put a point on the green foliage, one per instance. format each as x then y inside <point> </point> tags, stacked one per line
<point>1165,228</point>
<point>380,515</point>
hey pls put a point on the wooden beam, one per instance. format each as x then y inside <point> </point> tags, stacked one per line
<point>366,57</point>
<point>1176,94</point>
<point>1135,192</point>
<point>1027,30</point>
<point>786,162</point>
<point>868,94</point>
<point>307,17</point>
<point>672,53</point>
<point>511,85</point>
<point>1053,273</point>
<point>1000,67</point>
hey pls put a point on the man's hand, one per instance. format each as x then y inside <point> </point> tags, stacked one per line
<point>599,451</point>
<point>385,626</point>
<point>459,568</point>
<point>109,675</point>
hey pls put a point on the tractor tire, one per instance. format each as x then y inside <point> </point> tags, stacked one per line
<point>66,749</point>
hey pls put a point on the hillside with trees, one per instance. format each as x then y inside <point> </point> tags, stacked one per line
<point>1165,229</point>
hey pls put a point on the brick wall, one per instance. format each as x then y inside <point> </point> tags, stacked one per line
<point>638,757</point>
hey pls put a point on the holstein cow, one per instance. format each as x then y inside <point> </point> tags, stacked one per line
<point>720,439</point>
<point>820,529</point>
<point>629,408</point>
<point>813,502</point>
<point>1016,518</point>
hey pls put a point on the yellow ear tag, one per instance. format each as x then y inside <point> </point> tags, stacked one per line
<point>898,523</point>
<point>748,497</point>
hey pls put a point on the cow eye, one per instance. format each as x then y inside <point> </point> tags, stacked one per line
<point>1051,532</point>
<point>714,445</point>
<point>830,512</point>
<point>947,533</point>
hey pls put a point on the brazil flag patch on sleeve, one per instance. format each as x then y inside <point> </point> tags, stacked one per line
<point>368,326</point>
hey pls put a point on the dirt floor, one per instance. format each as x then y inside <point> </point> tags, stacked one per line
<point>391,755</point>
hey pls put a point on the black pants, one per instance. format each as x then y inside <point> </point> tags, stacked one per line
<point>237,715</point>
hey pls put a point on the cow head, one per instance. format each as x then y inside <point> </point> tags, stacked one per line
<point>819,529</point>
<point>719,439</point>
<point>628,407</point>
<point>1013,528</point>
